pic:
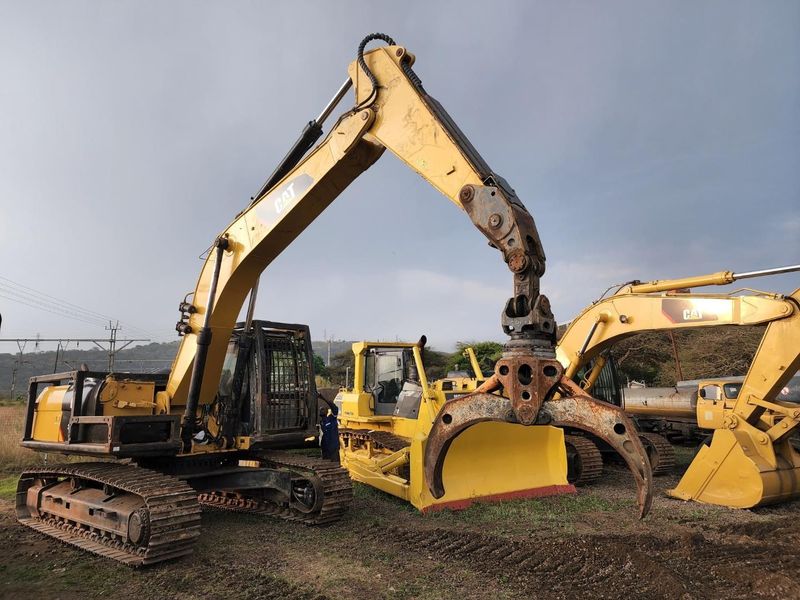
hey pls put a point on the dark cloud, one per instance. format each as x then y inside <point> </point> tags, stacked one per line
<point>648,139</point>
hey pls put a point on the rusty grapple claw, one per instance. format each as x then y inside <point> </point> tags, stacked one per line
<point>575,408</point>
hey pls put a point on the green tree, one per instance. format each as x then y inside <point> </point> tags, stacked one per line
<point>435,363</point>
<point>337,370</point>
<point>487,353</point>
<point>319,366</point>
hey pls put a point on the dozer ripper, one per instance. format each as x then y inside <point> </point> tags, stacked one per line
<point>188,432</point>
<point>750,460</point>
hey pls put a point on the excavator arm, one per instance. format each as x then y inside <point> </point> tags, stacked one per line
<point>392,111</point>
<point>750,461</point>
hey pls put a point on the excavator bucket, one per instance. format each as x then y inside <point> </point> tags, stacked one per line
<point>751,460</point>
<point>451,433</point>
<point>730,472</point>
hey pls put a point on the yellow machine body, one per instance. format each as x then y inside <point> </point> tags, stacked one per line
<point>750,461</point>
<point>51,415</point>
<point>490,461</point>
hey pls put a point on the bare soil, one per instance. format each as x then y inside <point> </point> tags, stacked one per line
<point>589,545</point>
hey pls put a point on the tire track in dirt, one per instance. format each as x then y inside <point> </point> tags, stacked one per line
<point>639,565</point>
<point>556,569</point>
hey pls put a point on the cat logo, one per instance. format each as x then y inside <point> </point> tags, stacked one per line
<point>285,199</point>
<point>275,205</point>
<point>697,310</point>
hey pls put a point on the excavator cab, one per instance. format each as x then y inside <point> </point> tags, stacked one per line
<point>267,385</point>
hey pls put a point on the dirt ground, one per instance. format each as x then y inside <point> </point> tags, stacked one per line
<point>589,545</point>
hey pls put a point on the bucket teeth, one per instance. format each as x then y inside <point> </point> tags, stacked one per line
<point>574,409</point>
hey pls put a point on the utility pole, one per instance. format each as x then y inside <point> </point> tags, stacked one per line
<point>17,362</point>
<point>114,345</point>
<point>677,358</point>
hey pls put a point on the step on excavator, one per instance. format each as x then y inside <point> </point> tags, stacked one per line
<point>203,429</point>
<point>750,460</point>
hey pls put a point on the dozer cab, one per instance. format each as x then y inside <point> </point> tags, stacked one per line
<point>385,420</point>
<point>157,421</point>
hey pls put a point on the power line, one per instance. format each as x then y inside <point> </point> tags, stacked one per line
<point>112,349</point>
<point>50,310</point>
<point>54,303</point>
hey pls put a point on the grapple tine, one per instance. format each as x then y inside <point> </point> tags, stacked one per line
<point>579,410</point>
<point>575,409</point>
<point>456,416</point>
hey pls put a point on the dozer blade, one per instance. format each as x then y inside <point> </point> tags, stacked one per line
<point>574,409</point>
<point>491,462</point>
<point>730,472</point>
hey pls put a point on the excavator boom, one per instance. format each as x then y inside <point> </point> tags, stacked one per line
<point>392,111</point>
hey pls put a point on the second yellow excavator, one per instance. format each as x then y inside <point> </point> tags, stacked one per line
<point>750,460</point>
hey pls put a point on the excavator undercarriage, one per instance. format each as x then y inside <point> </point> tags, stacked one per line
<point>147,509</point>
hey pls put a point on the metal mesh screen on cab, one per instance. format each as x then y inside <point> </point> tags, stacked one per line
<point>286,384</point>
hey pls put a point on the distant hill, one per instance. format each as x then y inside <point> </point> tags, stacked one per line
<point>711,352</point>
<point>139,359</point>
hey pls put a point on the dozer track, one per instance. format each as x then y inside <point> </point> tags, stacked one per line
<point>383,439</point>
<point>332,486</point>
<point>584,461</point>
<point>659,451</point>
<point>163,514</point>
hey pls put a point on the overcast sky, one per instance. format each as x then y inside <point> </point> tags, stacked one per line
<point>649,140</point>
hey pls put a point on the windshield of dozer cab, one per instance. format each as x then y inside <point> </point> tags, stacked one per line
<point>386,370</point>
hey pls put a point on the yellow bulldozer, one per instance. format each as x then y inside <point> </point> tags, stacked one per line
<point>215,428</point>
<point>386,419</point>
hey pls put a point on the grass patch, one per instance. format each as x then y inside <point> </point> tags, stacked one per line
<point>14,457</point>
<point>556,510</point>
<point>8,487</point>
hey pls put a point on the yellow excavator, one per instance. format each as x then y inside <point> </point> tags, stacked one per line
<point>750,460</point>
<point>213,428</point>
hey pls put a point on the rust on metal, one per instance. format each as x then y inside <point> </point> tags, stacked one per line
<point>528,381</point>
<point>129,514</point>
<point>575,408</point>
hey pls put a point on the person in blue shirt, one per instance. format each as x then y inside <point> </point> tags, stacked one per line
<point>329,433</point>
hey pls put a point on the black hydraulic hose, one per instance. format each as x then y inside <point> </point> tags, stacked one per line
<point>363,64</point>
<point>201,354</point>
<point>311,133</point>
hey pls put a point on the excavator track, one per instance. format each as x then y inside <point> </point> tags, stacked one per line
<point>659,451</point>
<point>169,513</point>
<point>584,461</point>
<point>332,485</point>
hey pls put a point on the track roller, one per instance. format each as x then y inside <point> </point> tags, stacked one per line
<point>584,461</point>
<point>659,451</point>
<point>129,514</point>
